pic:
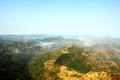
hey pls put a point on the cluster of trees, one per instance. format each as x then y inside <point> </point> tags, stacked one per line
<point>14,59</point>
<point>37,68</point>
<point>74,60</point>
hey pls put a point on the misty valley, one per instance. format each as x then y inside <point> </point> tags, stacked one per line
<point>59,57</point>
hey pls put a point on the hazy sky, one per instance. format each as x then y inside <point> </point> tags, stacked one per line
<point>93,17</point>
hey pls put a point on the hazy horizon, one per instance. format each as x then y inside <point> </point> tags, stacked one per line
<point>60,17</point>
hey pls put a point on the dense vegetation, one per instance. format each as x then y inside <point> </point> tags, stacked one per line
<point>74,60</point>
<point>38,69</point>
<point>14,59</point>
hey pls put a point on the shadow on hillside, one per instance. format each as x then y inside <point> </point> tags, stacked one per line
<point>14,66</point>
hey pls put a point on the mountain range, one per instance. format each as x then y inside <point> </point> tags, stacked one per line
<point>45,57</point>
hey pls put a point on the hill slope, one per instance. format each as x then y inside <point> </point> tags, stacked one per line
<point>76,63</point>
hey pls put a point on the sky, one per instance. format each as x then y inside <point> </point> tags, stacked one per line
<point>71,17</point>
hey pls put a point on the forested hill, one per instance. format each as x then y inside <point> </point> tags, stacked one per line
<point>58,58</point>
<point>74,63</point>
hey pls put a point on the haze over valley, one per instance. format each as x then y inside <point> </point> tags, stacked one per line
<point>43,57</point>
<point>59,39</point>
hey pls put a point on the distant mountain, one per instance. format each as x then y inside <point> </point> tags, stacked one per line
<point>24,37</point>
